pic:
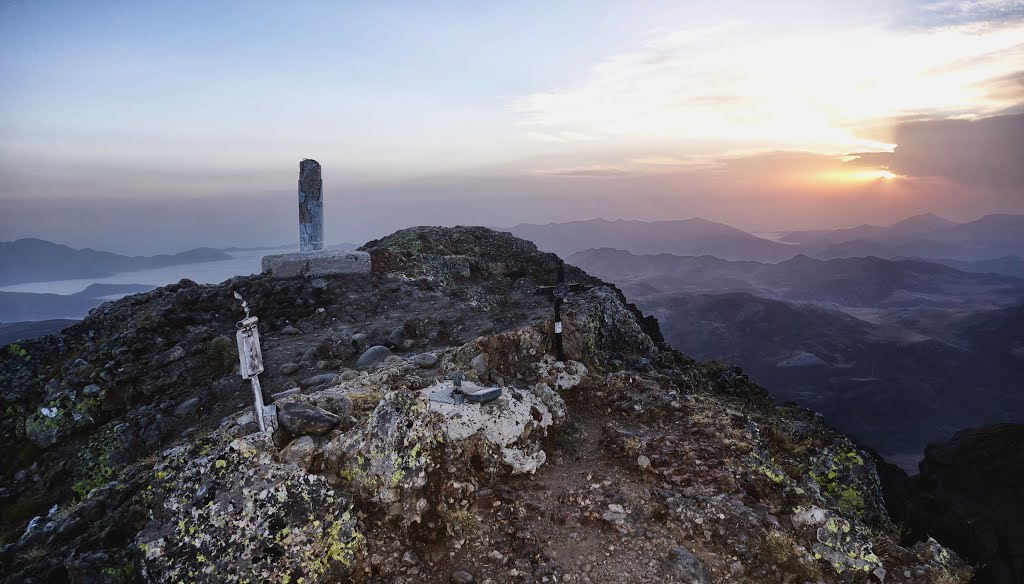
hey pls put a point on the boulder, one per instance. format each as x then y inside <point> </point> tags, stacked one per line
<point>303,419</point>
<point>687,567</point>
<point>373,355</point>
<point>299,452</point>
<point>425,360</point>
<point>322,379</point>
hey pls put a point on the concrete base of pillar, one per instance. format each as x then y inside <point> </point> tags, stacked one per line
<point>316,264</point>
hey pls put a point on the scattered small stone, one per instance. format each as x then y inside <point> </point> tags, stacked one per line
<point>168,357</point>
<point>643,462</point>
<point>187,407</point>
<point>479,364</point>
<point>290,330</point>
<point>92,390</point>
<point>285,393</point>
<point>425,360</point>
<point>290,368</point>
<point>462,577</point>
<point>322,379</point>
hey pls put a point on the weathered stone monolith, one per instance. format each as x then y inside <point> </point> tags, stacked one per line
<point>311,206</point>
<point>313,260</point>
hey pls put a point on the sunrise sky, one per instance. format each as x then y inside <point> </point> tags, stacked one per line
<point>159,126</point>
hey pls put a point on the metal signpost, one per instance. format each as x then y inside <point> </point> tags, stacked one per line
<point>250,358</point>
<point>559,292</point>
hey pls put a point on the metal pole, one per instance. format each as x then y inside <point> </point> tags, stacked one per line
<point>257,394</point>
<point>559,354</point>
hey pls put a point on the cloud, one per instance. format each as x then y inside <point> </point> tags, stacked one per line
<point>1007,88</point>
<point>970,11</point>
<point>595,170</point>
<point>986,152</point>
<point>823,91</point>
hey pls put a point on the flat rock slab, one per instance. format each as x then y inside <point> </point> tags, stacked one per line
<point>315,264</point>
<point>503,422</point>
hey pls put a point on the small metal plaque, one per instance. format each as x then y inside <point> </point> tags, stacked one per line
<point>250,357</point>
<point>482,396</point>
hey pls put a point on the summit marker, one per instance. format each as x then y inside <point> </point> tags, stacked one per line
<point>313,260</point>
<point>559,292</point>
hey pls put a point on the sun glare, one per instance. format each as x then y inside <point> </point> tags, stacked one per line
<point>876,174</point>
<point>858,176</point>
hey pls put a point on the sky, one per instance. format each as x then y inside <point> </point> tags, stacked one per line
<point>144,127</point>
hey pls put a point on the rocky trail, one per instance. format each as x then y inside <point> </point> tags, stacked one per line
<point>130,452</point>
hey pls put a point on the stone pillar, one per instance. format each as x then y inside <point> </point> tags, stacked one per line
<point>311,207</point>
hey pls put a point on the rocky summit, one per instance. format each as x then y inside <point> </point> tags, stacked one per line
<point>130,450</point>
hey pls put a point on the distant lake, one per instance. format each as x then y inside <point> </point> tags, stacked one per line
<point>242,263</point>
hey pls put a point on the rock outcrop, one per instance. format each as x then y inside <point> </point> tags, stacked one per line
<point>970,495</point>
<point>627,462</point>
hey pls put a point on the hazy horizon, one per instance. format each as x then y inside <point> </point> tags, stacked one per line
<point>117,245</point>
<point>159,127</point>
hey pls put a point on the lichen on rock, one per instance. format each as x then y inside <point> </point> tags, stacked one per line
<point>627,462</point>
<point>234,514</point>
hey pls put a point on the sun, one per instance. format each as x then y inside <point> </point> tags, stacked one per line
<point>858,176</point>
<point>883,174</point>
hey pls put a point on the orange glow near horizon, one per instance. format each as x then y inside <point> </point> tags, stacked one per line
<point>856,176</point>
<point>865,175</point>
<point>839,180</point>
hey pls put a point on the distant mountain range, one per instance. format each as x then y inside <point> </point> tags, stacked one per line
<point>36,260</point>
<point>29,306</point>
<point>908,228</point>
<point>16,331</point>
<point>683,237</point>
<point>1010,265</point>
<point>850,282</point>
<point>924,236</point>
<point>992,243</point>
<point>862,340</point>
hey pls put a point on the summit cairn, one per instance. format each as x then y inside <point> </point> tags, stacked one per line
<point>312,260</point>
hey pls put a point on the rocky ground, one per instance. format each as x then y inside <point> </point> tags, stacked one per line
<point>130,453</point>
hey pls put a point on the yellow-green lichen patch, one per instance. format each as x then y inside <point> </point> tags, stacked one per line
<point>97,462</point>
<point>238,507</point>
<point>837,480</point>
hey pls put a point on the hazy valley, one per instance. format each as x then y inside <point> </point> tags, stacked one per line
<point>861,340</point>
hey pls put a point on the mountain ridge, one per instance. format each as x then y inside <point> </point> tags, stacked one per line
<point>142,433</point>
<point>37,260</point>
<point>694,236</point>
